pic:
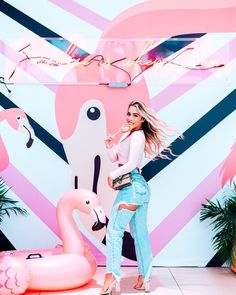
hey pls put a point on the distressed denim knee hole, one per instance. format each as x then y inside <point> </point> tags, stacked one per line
<point>123,218</point>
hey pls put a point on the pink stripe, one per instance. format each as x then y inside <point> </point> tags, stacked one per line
<point>180,86</point>
<point>185,211</point>
<point>31,69</point>
<point>82,12</point>
<point>39,204</point>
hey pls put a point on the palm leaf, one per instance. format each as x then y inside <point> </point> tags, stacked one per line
<point>210,210</point>
<point>223,222</point>
<point>7,204</point>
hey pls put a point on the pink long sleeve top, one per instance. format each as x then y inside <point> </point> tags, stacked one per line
<point>128,152</point>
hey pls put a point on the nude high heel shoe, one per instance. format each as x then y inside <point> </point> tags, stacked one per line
<point>145,286</point>
<point>108,291</point>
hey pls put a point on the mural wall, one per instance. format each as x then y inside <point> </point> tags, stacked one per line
<point>72,67</point>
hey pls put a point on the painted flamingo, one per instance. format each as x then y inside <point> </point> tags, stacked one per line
<point>86,110</point>
<point>17,119</point>
<point>74,267</point>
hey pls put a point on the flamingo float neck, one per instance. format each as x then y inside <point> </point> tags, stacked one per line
<point>71,237</point>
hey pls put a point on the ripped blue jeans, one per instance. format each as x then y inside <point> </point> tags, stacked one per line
<point>138,193</point>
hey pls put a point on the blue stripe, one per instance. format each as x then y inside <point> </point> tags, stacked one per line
<point>27,21</point>
<point>193,134</point>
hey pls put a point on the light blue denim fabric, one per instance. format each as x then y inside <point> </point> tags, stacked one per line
<point>139,194</point>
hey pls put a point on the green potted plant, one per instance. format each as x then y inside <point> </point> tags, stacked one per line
<point>7,204</point>
<point>223,219</point>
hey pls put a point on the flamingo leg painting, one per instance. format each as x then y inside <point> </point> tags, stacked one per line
<point>73,267</point>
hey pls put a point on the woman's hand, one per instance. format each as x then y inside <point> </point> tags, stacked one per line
<point>109,141</point>
<point>109,181</point>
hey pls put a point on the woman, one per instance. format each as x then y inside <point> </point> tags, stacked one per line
<point>147,134</point>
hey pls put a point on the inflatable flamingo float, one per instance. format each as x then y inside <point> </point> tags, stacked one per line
<point>74,267</point>
<point>17,119</point>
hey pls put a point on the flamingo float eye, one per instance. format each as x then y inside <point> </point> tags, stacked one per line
<point>93,113</point>
<point>87,202</point>
<point>18,117</point>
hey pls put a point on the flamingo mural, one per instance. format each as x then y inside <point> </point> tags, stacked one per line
<point>87,108</point>
<point>17,119</point>
<point>71,268</point>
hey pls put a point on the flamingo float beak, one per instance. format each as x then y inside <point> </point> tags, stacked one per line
<point>100,218</point>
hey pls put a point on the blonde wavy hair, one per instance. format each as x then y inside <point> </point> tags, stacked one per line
<point>156,132</point>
